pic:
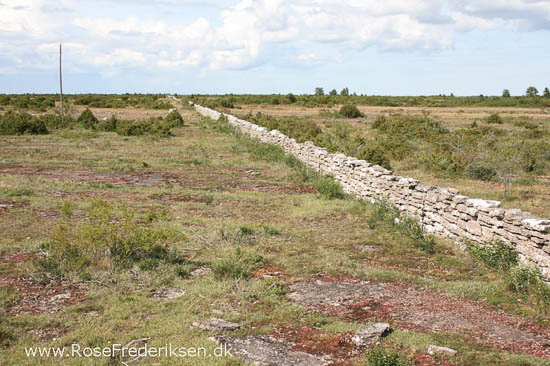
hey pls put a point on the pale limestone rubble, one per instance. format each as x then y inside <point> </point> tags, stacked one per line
<point>441,211</point>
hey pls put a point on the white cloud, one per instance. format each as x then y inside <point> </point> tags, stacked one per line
<point>250,32</point>
<point>465,23</point>
<point>121,57</point>
<point>527,14</point>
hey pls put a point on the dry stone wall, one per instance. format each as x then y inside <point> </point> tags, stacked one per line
<point>441,211</point>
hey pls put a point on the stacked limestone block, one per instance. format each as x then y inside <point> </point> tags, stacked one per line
<point>441,211</point>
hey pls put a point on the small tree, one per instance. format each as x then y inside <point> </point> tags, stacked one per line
<point>350,111</point>
<point>506,93</point>
<point>291,98</point>
<point>494,118</point>
<point>531,92</point>
<point>546,93</point>
<point>173,119</point>
<point>319,91</point>
<point>333,92</point>
<point>344,92</point>
<point>88,119</point>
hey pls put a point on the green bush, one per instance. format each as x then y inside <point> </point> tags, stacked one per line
<point>87,119</point>
<point>153,127</point>
<point>410,126</point>
<point>300,129</point>
<point>239,265</point>
<point>328,188</point>
<point>227,104</point>
<point>112,238</point>
<point>480,170</point>
<point>496,255</point>
<point>389,215</point>
<point>173,119</point>
<point>522,278</point>
<point>18,123</point>
<point>381,357</point>
<point>120,101</point>
<point>16,192</point>
<point>350,111</point>
<point>494,118</point>
<point>109,125</point>
<point>375,155</point>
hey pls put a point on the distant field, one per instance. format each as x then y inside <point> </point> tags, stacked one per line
<point>522,134</point>
<point>111,237</point>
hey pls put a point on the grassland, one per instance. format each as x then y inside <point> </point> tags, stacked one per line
<point>257,225</point>
<point>444,157</point>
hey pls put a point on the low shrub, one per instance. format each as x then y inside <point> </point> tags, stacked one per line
<point>270,230</point>
<point>239,265</point>
<point>350,111</point>
<point>387,214</point>
<point>481,171</point>
<point>375,154</point>
<point>527,281</point>
<point>18,123</point>
<point>173,119</point>
<point>152,127</point>
<point>496,255</point>
<point>113,238</point>
<point>381,357</point>
<point>54,121</point>
<point>109,125</point>
<point>522,278</point>
<point>410,126</point>
<point>16,192</point>
<point>300,129</point>
<point>328,188</point>
<point>494,118</point>
<point>245,230</point>
<point>87,119</point>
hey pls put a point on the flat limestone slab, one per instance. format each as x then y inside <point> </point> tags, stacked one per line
<point>267,351</point>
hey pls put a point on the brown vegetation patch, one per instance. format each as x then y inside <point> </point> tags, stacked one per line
<point>418,309</point>
<point>16,257</point>
<point>122,113</point>
<point>165,197</point>
<point>250,186</point>
<point>146,178</point>
<point>422,359</point>
<point>6,205</point>
<point>37,297</point>
<point>338,347</point>
<point>268,271</point>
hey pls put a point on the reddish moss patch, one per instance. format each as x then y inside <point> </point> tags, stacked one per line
<point>416,309</point>
<point>422,359</point>
<point>176,197</point>
<point>268,271</point>
<point>338,347</point>
<point>253,186</point>
<point>6,205</point>
<point>35,297</point>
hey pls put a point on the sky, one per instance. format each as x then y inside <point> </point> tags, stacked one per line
<point>373,47</point>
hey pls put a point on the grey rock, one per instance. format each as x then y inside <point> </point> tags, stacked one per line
<point>434,350</point>
<point>168,293</point>
<point>200,272</point>
<point>371,335</point>
<point>216,325</point>
<point>269,351</point>
<point>368,248</point>
<point>61,296</point>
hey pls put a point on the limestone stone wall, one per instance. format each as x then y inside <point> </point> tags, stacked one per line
<point>441,211</point>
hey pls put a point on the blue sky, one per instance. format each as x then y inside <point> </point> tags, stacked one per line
<point>391,47</point>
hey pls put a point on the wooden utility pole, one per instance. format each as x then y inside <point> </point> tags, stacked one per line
<point>60,80</point>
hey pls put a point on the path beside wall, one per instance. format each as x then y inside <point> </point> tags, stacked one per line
<point>441,211</point>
